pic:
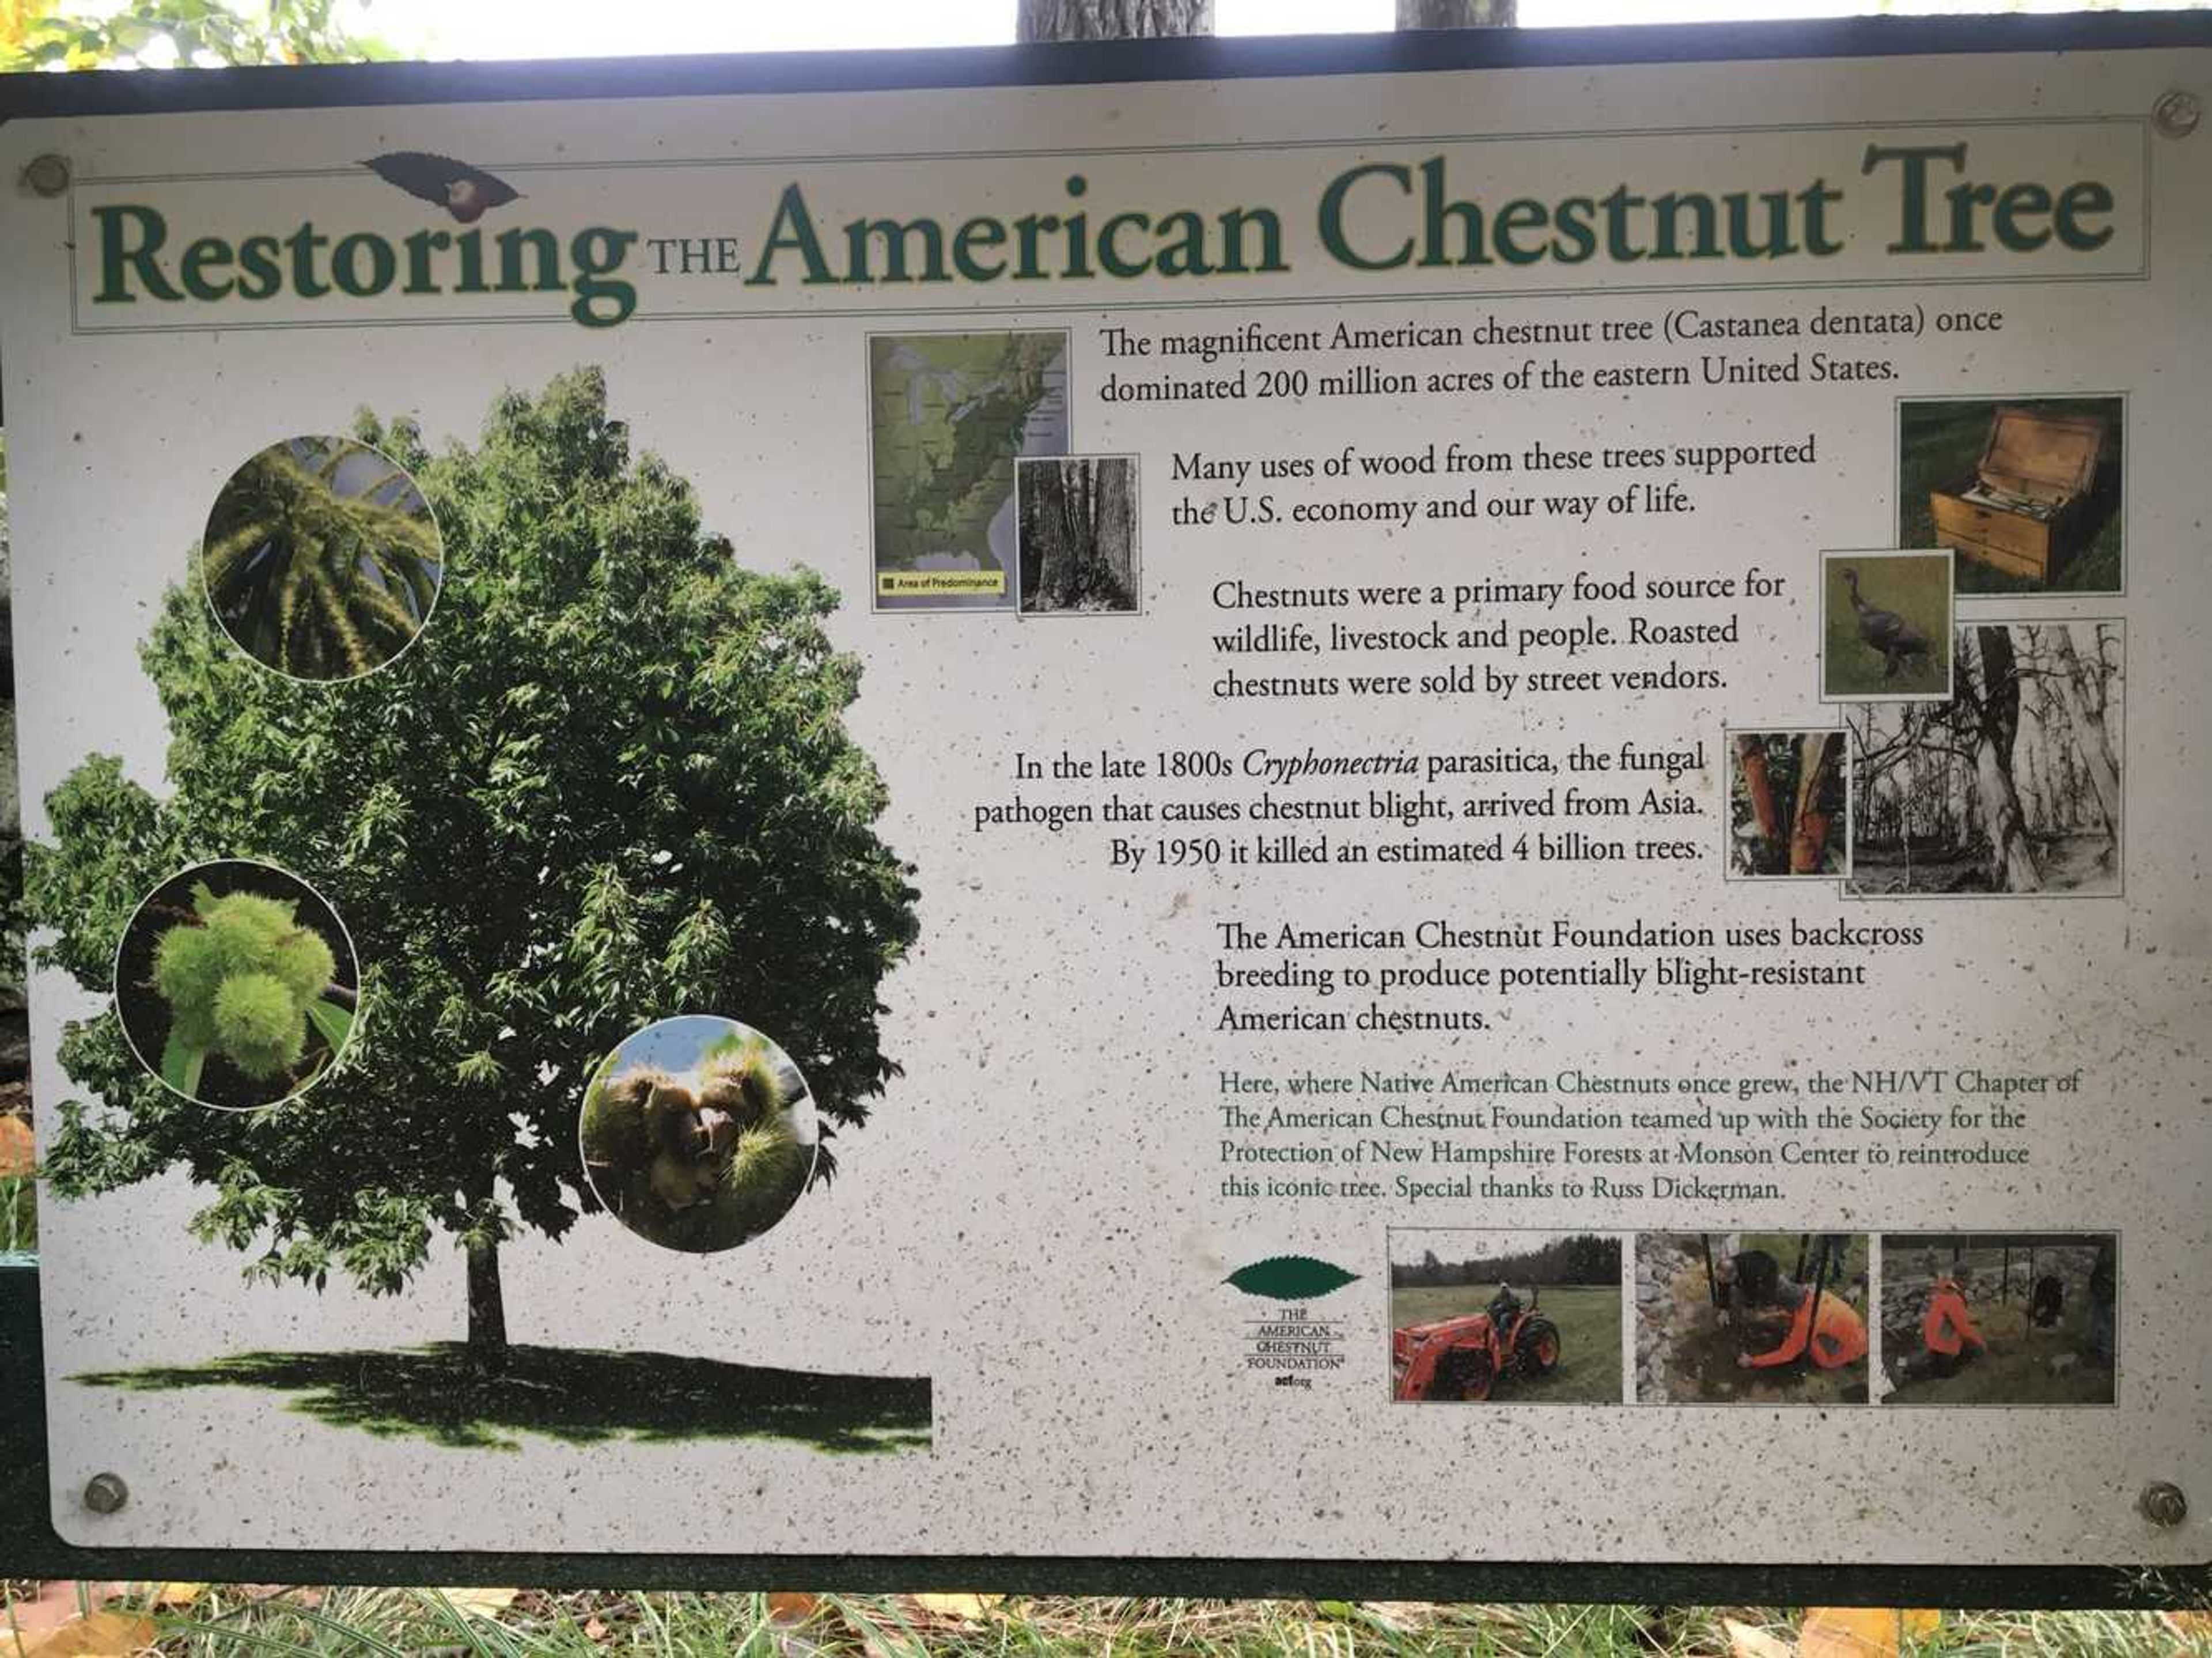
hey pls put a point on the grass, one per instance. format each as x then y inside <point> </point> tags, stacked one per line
<point>579,1396</point>
<point>1589,1317</point>
<point>2016,1368</point>
<point>19,1215</point>
<point>236,1621</point>
<point>1941,442</point>
<point>1915,587</point>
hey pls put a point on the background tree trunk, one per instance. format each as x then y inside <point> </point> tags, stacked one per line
<point>2012,859</point>
<point>1457,14</point>
<point>1074,533</point>
<point>1116,534</point>
<point>1044,551</point>
<point>2084,708</point>
<point>1111,20</point>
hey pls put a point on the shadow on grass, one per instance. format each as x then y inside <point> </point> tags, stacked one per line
<point>583,1396</point>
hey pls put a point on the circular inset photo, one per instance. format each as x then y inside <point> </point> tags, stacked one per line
<point>321,559</point>
<point>236,984</point>
<point>698,1133</point>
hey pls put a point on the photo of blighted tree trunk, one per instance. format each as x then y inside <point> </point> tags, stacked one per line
<point>1079,534</point>
<point>1785,795</point>
<point>2013,786</point>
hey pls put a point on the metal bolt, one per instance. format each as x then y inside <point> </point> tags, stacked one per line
<point>2163,1503</point>
<point>47,175</point>
<point>2177,114</point>
<point>104,1493</point>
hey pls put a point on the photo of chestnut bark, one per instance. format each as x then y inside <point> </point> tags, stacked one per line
<point>1788,793</point>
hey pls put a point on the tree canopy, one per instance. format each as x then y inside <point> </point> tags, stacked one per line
<point>612,781</point>
<point>157,33</point>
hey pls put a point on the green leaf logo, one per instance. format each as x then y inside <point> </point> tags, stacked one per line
<point>1289,1277</point>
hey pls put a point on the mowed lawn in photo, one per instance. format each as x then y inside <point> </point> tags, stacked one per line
<point>1940,443</point>
<point>1589,1317</point>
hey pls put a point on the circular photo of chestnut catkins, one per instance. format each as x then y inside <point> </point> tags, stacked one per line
<point>698,1133</point>
<point>237,985</point>
<point>321,559</point>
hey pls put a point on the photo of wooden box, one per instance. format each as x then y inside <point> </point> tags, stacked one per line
<point>2026,507</point>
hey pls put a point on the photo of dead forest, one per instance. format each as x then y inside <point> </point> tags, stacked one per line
<point>2012,786</point>
<point>1787,794</point>
<point>1078,535</point>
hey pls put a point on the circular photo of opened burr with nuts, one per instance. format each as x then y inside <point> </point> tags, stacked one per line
<point>698,1133</point>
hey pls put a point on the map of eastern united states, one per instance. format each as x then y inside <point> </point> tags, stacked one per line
<point>950,412</point>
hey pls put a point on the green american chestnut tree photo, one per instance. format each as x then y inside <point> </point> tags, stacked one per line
<point>610,781</point>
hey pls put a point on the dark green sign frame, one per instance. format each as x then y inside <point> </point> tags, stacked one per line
<point>28,1545</point>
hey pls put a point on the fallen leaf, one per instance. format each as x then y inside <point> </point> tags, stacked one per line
<point>487,1604</point>
<point>969,1607</point>
<point>1860,1631</point>
<point>16,1152</point>
<point>30,1618</point>
<point>1746,1642</point>
<point>98,1635</point>
<point>178,1595</point>
<point>594,1630</point>
<point>788,1606</point>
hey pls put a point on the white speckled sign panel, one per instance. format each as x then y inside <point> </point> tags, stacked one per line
<point>1584,679</point>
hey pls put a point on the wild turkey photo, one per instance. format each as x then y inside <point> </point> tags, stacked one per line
<point>1888,624</point>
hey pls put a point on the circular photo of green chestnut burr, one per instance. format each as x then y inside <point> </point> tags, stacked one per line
<point>698,1133</point>
<point>321,559</point>
<point>236,984</point>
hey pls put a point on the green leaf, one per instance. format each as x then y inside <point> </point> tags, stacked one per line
<point>1289,1277</point>
<point>335,1023</point>
<point>181,1064</point>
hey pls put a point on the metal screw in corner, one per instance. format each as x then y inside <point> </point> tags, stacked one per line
<point>47,175</point>
<point>2175,114</point>
<point>2163,1503</point>
<point>104,1493</point>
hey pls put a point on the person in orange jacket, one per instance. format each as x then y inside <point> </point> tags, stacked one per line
<point>1947,1328</point>
<point>1829,1333</point>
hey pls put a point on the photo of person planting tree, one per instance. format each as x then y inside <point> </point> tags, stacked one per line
<point>1750,1318</point>
<point>1999,1318</point>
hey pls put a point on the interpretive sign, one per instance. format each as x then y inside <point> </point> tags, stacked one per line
<point>1172,805</point>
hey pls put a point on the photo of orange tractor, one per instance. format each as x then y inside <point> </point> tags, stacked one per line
<point>1464,1358</point>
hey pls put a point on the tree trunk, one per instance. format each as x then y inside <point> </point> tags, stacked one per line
<point>2092,739</point>
<point>2012,859</point>
<point>1116,534</point>
<point>1074,530</point>
<point>1111,20</point>
<point>487,1309</point>
<point>1044,550</point>
<point>1457,14</point>
<point>1751,755</point>
<point>1809,826</point>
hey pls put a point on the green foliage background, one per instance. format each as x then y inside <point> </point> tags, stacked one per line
<point>610,781</point>
<point>36,34</point>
